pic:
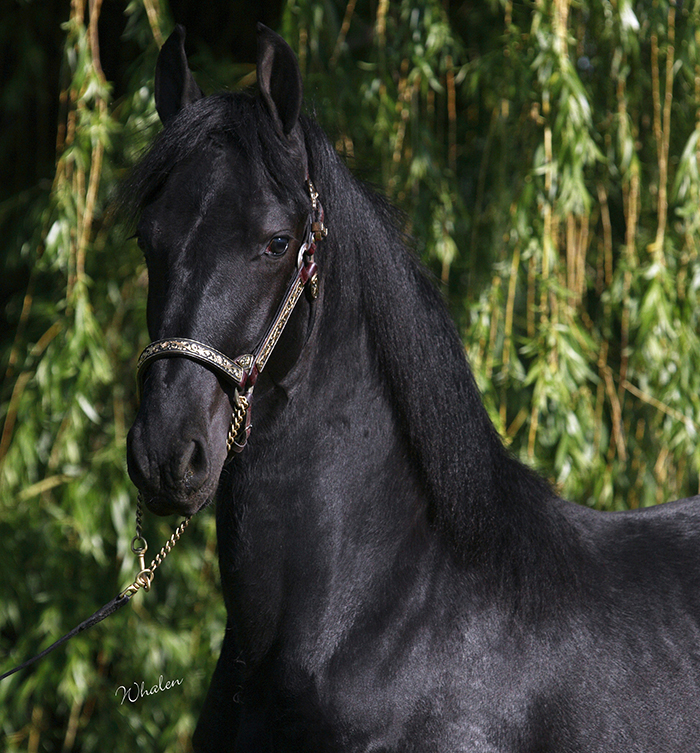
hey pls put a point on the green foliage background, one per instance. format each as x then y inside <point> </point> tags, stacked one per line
<point>547,157</point>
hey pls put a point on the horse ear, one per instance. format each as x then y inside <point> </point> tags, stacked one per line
<point>175,86</point>
<point>279,79</point>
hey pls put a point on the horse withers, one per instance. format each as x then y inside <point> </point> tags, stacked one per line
<point>394,579</point>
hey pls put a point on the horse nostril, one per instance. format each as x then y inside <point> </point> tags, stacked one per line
<point>198,461</point>
<point>136,457</point>
<point>194,465</point>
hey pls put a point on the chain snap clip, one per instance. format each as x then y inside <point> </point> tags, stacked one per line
<point>139,546</point>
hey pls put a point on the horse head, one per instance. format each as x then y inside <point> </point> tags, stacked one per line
<point>224,215</point>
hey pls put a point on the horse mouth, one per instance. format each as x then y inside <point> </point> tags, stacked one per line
<point>163,505</point>
<point>174,476</point>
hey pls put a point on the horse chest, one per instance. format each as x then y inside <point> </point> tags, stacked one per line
<point>416,688</point>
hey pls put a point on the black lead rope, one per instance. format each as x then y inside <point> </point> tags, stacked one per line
<point>110,608</point>
<point>143,580</point>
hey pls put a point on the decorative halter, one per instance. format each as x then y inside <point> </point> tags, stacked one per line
<point>243,372</point>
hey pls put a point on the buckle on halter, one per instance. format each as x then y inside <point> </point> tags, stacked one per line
<point>319,230</point>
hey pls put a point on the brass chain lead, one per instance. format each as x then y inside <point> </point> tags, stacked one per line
<point>139,547</point>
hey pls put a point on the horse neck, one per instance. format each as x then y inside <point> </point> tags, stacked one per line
<point>325,511</point>
<point>487,510</point>
<point>421,358</point>
<point>384,364</point>
<point>377,457</point>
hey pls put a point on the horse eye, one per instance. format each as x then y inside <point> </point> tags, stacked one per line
<point>277,246</point>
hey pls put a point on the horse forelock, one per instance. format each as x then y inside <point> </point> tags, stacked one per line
<point>238,119</point>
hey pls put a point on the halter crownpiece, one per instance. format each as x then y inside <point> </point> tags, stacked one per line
<point>242,372</point>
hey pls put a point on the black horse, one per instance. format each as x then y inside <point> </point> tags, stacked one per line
<point>394,579</point>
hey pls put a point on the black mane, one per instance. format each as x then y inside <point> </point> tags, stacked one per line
<point>477,489</point>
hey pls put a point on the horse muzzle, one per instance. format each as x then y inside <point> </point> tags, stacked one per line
<point>176,448</point>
